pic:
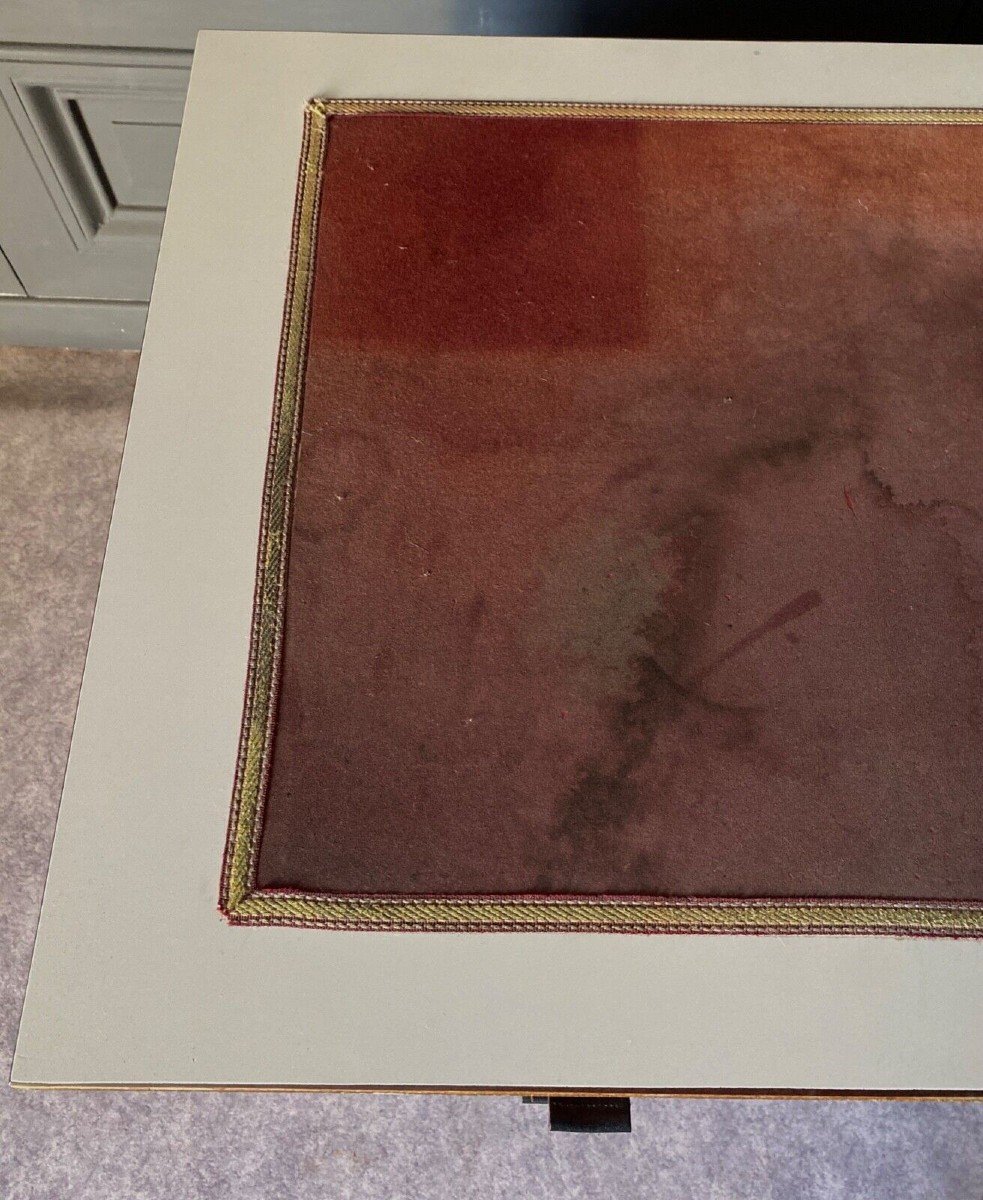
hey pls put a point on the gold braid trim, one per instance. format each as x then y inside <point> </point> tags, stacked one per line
<point>657,112</point>
<point>240,900</point>
<point>607,915</point>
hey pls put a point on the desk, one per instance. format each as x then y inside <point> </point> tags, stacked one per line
<point>137,980</point>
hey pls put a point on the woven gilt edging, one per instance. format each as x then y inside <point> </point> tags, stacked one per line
<point>240,900</point>
<point>605,915</point>
<point>658,112</point>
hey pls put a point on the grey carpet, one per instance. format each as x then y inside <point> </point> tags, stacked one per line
<point>62,421</point>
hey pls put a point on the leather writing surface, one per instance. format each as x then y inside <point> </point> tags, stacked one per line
<point>635,545</point>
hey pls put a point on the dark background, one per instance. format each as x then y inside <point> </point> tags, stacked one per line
<point>770,20</point>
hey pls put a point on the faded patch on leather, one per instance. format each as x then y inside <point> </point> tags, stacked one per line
<point>484,235</point>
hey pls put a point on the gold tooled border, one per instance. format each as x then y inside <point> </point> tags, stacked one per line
<point>240,900</point>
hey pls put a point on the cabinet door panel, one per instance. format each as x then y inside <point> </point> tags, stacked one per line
<point>10,285</point>
<point>90,148</point>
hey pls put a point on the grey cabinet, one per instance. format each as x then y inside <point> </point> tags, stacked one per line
<point>91,97</point>
<point>87,145</point>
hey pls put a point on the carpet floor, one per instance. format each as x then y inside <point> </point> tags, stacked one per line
<point>62,421</point>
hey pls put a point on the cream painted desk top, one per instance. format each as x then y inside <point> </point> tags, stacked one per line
<point>136,980</point>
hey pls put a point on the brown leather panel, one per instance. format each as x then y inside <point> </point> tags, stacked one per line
<point>636,544</point>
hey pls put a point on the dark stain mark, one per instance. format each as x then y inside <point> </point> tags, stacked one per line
<point>470,628</point>
<point>915,509</point>
<point>476,614</point>
<point>384,662</point>
<point>777,454</point>
<point>791,612</point>
<point>695,550</point>
<point>606,798</point>
<point>630,473</point>
<point>882,490</point>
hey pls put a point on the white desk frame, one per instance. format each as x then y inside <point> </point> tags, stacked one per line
<point>136,979</point>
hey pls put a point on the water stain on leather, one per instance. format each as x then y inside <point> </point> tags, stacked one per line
<point>606,798</point>
<point>664,676</point>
